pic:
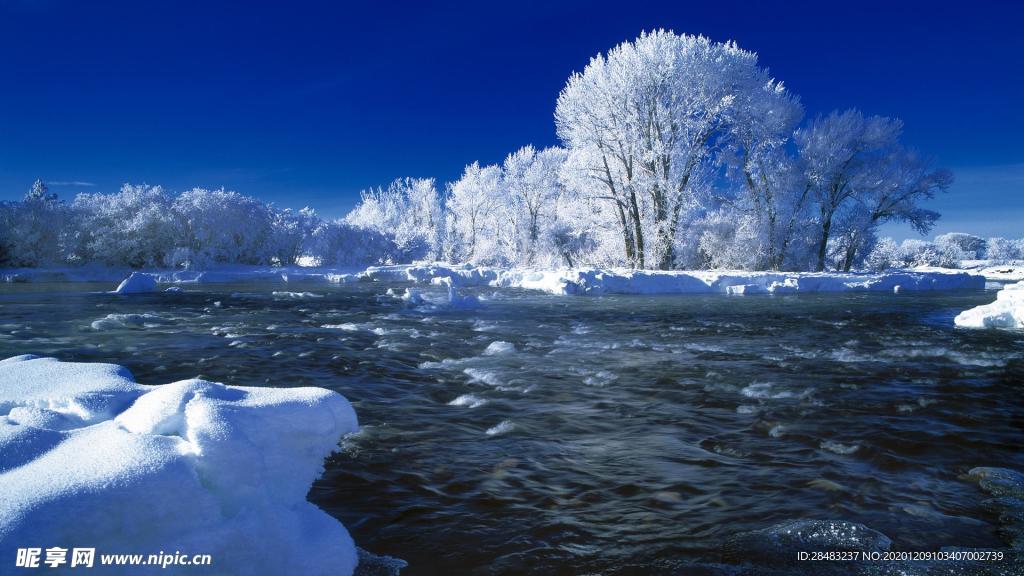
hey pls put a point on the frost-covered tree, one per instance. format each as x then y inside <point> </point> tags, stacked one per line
<point>531,191</point>
<point>902,181</point>
<point>1002,250</point>
<point>473,204</point>
<point>914,252</point>
<point>841,153</point>
<point>645,117</point>
<point>409,210</point>
<point>755,153</point>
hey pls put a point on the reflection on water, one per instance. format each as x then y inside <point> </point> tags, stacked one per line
<point>534,433</point>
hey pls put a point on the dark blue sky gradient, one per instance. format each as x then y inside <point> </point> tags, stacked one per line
<point>307,103</point>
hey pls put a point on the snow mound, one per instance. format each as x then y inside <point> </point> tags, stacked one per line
<point>1006,312</point>
<point>90,458</point>
<point>137,283</point>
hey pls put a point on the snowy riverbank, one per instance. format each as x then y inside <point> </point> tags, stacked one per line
<point>1006,312</point>
<point>621,281</point>
<point>589,281</point>
<point>89,458</point>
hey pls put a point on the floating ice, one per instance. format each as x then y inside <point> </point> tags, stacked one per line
<point>461,301</point>
<point>137,283</point>
<point>113,321</point>
<point>89,457</point>
<point>499,347</point>
<point>412,297</point>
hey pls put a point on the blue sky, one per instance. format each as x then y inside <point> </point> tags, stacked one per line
<point>307,103</point>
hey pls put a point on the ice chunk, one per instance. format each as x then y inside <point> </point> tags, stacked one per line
<point>137,283</point>
<point>89,457</point>
<point>128,321</point>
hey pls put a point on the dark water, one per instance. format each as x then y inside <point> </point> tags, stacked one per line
<point>621,435</point>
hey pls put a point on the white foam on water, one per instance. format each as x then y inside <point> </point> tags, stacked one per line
<point>469,401</point>
<point>504,427</point>
<point>839,448</point>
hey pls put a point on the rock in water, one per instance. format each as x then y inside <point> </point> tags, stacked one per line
<point>780,543</point>
<point>999,481</point>
<point>371,564</point>
<point>1007,487</point>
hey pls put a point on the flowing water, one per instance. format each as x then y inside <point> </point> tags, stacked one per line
<point>545,434</point>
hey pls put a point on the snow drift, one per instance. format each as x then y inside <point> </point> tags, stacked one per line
<point>1006,312</point>
<point>595,281</point>
<point>89,458</point>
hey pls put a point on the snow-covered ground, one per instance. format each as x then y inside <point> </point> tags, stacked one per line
<point>1006,312</point>
<point>89,458</point>
<point>585,281</point>
<point>1007,271</point>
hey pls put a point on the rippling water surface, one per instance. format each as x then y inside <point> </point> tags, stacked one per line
<point>546,434</point>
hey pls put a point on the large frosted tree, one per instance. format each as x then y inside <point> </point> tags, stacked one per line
<point>643,119</point>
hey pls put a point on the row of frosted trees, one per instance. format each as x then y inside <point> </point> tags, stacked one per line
<point>144,226</point>
<point>677,152</point>
<point>680,152</point>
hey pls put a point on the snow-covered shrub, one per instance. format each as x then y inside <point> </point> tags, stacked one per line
<point>884,255</point>
<point>31,230</point>
<point>133,227</point>
<point>341,244</point>
<point>220,227</point>
<point>291,232</point>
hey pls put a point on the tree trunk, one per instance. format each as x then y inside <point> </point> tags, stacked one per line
<point>826,228</point>
<point>638,232</point>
